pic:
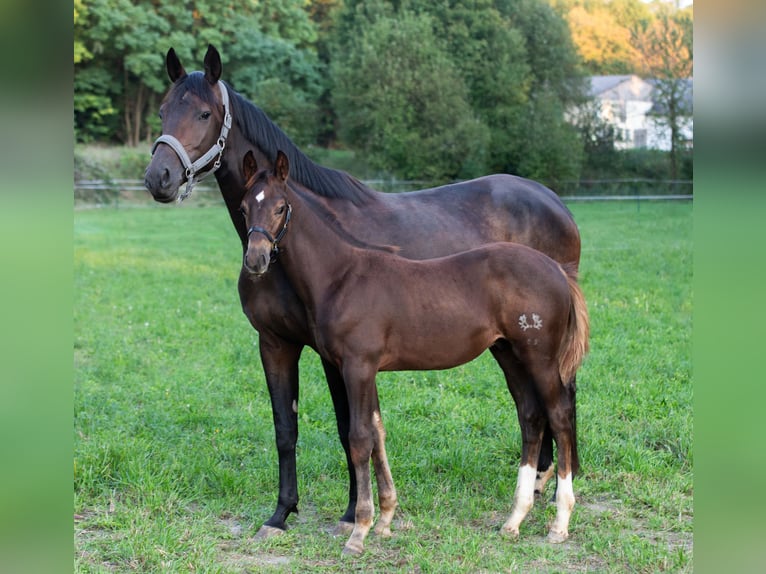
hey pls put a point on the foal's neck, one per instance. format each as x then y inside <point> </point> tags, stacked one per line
<point>315,255</point>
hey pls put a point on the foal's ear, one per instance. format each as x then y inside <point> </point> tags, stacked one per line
<point>249,166</point>
<point>174,66</point>
<point>282,166</point>
<point>212,65</point>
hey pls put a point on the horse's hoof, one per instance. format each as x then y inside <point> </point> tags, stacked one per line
<point>268,532</point>
<point>343,528</point>
<point>383,532</point>
<point>557,537</point>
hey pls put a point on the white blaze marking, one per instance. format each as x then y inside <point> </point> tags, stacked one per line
<point>260,196</point>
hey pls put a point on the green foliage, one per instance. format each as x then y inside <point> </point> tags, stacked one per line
<point>506,70</point>
<point>128,40</point>
<point>400,99</point>
<point>174,461</point>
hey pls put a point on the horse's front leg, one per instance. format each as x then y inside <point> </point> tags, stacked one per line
<point>340,402</point>
<point>280,364</point>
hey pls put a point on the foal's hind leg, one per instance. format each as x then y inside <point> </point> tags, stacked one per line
<point>386,489</point>
<point>560,406</point>
<point>532,420</point>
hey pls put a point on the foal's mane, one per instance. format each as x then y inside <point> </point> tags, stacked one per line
<point>264,133</point>
<point>330,218</point>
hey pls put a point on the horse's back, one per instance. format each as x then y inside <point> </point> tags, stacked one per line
<point>497,207</point>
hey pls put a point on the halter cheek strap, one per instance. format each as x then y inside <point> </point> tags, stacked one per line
<point>193,169</point>
<point>273,240</point>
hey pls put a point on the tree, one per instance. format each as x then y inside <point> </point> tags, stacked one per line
<point>401,101</point>
<point>515,60</point>
<point>120,47</point>
<point>665,44</point>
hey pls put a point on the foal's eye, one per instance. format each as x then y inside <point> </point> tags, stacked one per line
<point>204,115</point>
<point>280,210</point>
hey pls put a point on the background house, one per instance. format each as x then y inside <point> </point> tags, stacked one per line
<point>637,111</point>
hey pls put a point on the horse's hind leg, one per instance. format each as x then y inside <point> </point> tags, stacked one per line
<point>532,420</point>
<point>546,467</point>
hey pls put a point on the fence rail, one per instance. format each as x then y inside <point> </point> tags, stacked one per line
<point>97,192</point>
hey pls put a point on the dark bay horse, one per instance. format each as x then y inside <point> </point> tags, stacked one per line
<point>207,128</point>
<point>372,311</point>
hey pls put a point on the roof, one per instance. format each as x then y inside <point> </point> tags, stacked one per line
<point>632,87</point>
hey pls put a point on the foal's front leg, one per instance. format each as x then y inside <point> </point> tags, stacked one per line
<point>362,398</point>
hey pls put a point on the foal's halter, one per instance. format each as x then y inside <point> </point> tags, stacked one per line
<point>273,240</point>
<point>193,169</point>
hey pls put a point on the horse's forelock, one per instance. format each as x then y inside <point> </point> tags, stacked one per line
<point>196,84</point>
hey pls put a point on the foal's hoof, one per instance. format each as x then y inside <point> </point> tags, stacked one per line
<point>352,550</point>
<point>268,532</point>
<point>510,533</point>
<point>557,537</point>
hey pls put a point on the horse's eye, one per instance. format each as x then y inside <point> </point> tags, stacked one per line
<point>280,210</point>
<point>204,115</point>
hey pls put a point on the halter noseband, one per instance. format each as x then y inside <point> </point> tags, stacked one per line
<point>273,240</point>
<point>193,169</point>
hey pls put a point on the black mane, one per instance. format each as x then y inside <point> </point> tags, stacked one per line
<point>266,135</point>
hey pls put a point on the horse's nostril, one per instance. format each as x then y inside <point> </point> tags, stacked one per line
<point>165,178</point>
<point>262,261</point>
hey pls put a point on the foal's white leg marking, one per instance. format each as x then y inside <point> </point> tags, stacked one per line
<point>543,477</point>
<point>523,500</point>
<point>565,501</point>
<point>355,544</point>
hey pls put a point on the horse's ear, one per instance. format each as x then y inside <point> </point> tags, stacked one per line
<point>212,65</point>
<point>282,166</point>
<point>249,165</point>
<point>174,66</point>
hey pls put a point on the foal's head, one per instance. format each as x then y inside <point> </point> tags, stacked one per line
<point>266,211</point>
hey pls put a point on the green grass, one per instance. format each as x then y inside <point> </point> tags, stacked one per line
<point>175,467</point>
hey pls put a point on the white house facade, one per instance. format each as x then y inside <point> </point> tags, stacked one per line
<point>629,104</point>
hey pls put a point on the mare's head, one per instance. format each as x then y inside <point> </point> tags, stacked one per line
<point>195,121</point>
<point>266,211</point>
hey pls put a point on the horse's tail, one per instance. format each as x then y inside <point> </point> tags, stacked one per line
<point>575,344</point>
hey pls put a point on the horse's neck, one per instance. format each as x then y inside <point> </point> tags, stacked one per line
<point>314,255</point>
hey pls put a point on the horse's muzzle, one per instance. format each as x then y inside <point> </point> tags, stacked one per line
<point>163,179</point>
<point>256,263</point>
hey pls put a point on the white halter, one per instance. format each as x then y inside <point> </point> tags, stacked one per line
<point>193,173</point>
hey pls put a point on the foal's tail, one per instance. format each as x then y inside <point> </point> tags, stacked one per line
<point>575,344</point>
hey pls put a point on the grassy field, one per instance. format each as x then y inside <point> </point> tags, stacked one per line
<point>175,466</point>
